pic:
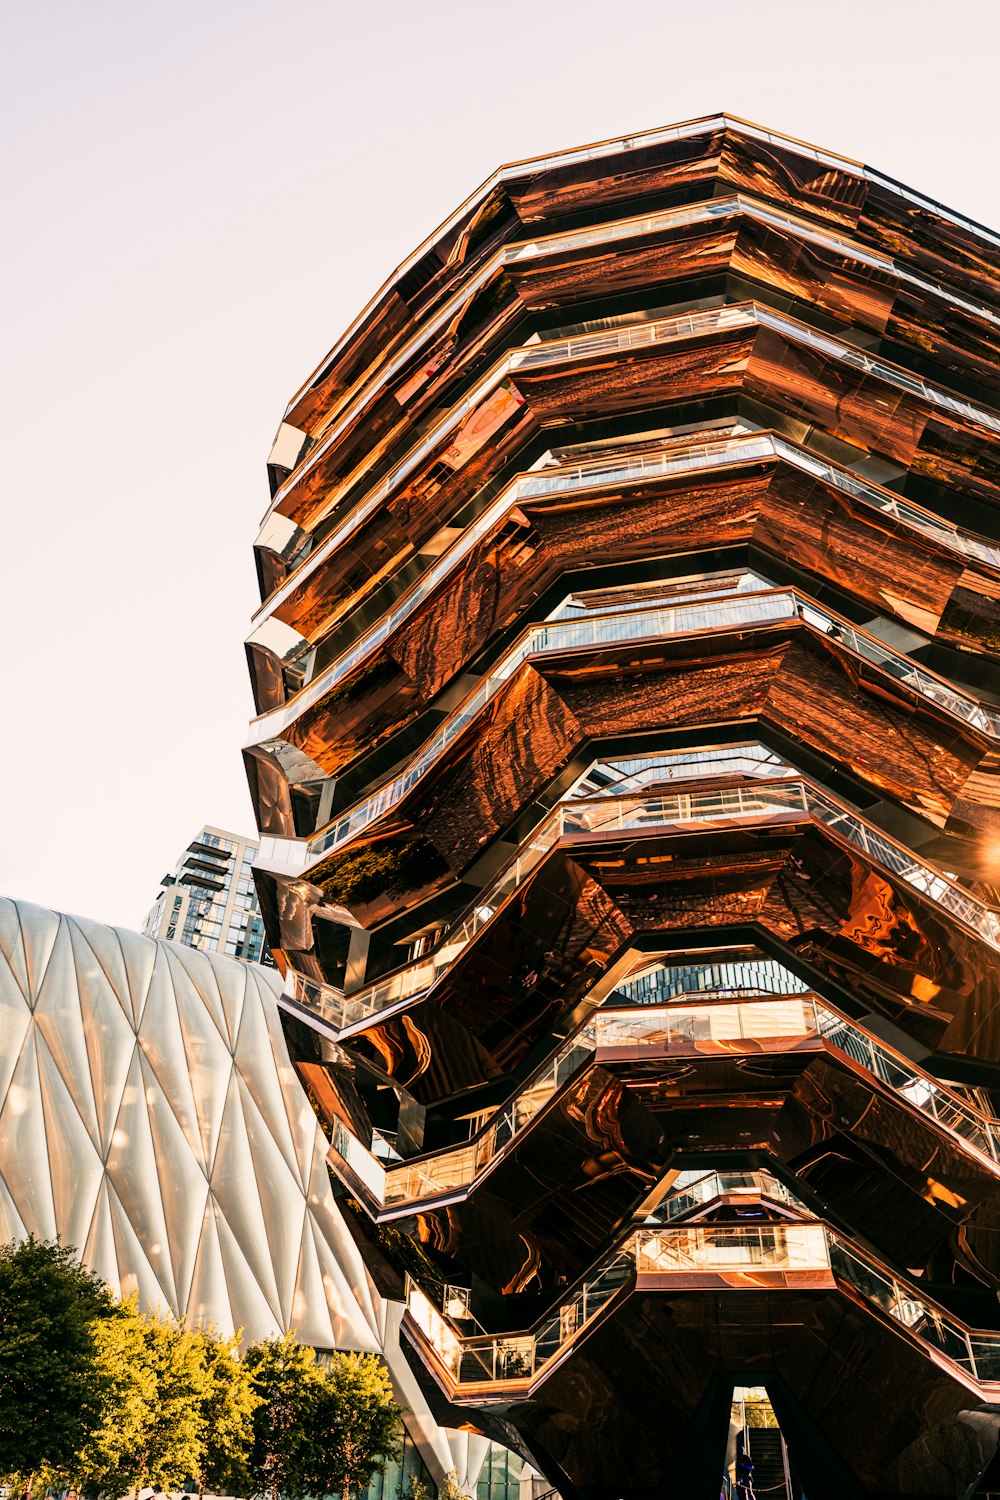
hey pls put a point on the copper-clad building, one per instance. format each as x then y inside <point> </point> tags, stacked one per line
<point>626,773</point>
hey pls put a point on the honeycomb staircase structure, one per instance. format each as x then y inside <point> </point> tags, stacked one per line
<point>626,768</point>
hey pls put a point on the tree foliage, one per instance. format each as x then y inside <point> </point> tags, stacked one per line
<point>323,1427</point>
<point>97,1394</point>
<point>153,1427</point>
<point>53,1383</point>
<point>355,1423</point>
<point>229,1399</point>
<point>103,1461</point>
<point>283,1373</point>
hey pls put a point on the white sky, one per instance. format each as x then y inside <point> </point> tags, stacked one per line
<point>199,196</point>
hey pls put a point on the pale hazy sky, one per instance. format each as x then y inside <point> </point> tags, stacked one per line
<point>198,198</point>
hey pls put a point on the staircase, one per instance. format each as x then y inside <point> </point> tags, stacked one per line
<point>770,1475</point>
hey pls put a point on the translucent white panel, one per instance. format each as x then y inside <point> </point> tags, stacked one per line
<point>25,1159</point>
<point>183,1184</point>
<point>75,1166</point>
<point>234,1187</point>
<point>468,1454</point>
<point>281,1199</point>
<point>139,957</point>
<point>253,1047</point>
<point>133,1171</point>
<point>59,1020</point>
<point>298,1111</point>
<point>193,971</point>
<point>38,930</point>
<point>135,1273</point>
<point>310,1311</point>
<point>247,1304</point>
<point>99,1250</point>
<point>161,1042</point>
<point>12,1226</point>
<point>107,949</point>
<point>345,1296</point>
<point>207,1056</point>
<point>12,945</point>
<point>348,1283</point>
<point>231,978</point>
<point>109,1034</point>
<point>209,1298</point>
<point>15,1019</point>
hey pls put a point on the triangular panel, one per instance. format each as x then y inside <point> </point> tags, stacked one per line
<point>161,1040</point>
<point>25,1157</point>
<point>74,1165</point>
<point>59,1019</point>
<point>12,945</point>
<point>208,1301</point>
<point>236,1192</point>
<point>109,1033</point>
<point>132,1172</point>
<point>183,1184</point>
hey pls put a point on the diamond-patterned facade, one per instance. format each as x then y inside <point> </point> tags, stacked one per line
<point>149,1116</point>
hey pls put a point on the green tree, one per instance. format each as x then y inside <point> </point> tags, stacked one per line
<point>354,1423</point>
<point>451,1489</point>
<point>284,1374</point>
<point>52,1382</point>
<point>105,1460</point>
<point>322,1427</point>
<point>228,1402</point>
<point>153,1426</point>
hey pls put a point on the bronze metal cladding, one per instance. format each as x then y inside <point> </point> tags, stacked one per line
<point>627,767</point>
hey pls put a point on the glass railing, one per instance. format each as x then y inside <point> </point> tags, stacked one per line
<point>722,1026</point>
<point>620,337</point>
<point>692,1191</point>
<point>747,207</point>
<point>521,1356</point>
<point>514,171</point>
<point>727,613</point>
<point>610,232</point>
<point>976,1352</point>
<point>735,1251</point>
<point>660,984</point>
<point>635,773</point>
<point>741,315</point>
<point>608,815</point>
<point>761,802</point>
<point>708,1028</point>
<point>921,1092</point>
<point>624,470</point>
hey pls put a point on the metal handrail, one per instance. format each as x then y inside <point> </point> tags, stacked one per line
<point>764,607</point>
<point>624,471</point>
<point>764,800</point>
<point>723,1023</point>
<point>805,1245</point>
<point>621,336</point>
<point>609,232</point>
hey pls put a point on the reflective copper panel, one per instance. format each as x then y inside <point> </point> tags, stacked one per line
<point>626,766</point>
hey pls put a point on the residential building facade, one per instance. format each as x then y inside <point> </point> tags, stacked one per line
<point>209,901</point>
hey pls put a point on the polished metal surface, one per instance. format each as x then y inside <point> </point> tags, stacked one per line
<point>627,769</point>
